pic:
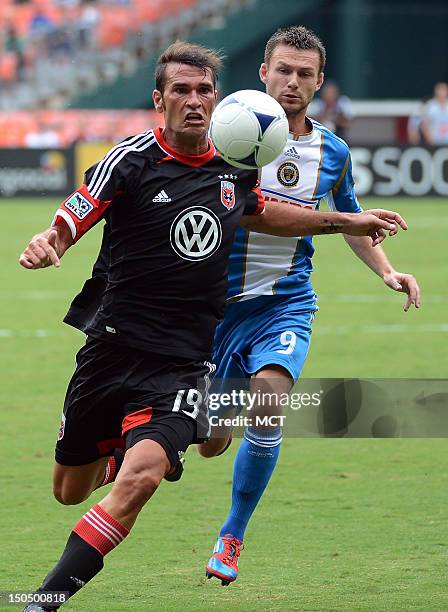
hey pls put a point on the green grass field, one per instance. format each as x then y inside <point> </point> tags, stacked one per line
<point>346,524</point>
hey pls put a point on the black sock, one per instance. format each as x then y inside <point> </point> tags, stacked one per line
<point>79,563</point>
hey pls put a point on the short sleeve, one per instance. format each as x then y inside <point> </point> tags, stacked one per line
<point>106,180</point>
<point>343,195</point>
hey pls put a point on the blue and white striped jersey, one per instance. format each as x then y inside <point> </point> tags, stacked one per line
<point>312,168</point>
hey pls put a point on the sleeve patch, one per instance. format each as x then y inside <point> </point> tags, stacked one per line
<point>78,205</point>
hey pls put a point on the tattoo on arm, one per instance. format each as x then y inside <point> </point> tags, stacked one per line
<point>332,228</point>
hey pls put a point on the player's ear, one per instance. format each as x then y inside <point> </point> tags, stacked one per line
<point>320,81</point>
<point>263,72</point>
<point>157,98</point>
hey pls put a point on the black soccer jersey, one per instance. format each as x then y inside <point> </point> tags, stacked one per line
<point>85,305</point>
<point>172,221</point>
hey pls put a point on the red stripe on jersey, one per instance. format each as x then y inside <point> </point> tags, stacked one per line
<point>190,160</point>
<point>80,211</point>
<point>140,417</point>
<point>104,446</point>
<point>260,205</point>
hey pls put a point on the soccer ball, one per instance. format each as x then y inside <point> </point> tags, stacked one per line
<point>249,129</point>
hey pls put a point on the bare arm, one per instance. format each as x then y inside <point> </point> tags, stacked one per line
<point>376,260</point>
<point>288,220</point>
<point>46,249</point>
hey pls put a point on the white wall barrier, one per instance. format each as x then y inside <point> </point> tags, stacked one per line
<point>378,171</point>
<point>400,171</point>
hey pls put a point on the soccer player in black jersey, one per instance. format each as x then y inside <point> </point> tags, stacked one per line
<point>141,378</point>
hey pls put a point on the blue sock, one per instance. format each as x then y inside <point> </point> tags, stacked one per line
<point>254,463</point>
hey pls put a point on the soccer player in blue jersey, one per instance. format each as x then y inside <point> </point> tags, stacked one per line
<point>265,335</point>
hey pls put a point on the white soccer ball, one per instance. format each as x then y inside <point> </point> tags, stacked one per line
<point>249,129</point>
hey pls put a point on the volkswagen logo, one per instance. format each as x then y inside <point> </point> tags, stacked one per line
<point>196,233</point>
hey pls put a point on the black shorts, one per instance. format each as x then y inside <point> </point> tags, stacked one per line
<point>119,396</point>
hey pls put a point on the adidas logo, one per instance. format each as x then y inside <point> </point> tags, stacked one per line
<point>292,152</point>
<point>162,196</point>
<point>79,583</point>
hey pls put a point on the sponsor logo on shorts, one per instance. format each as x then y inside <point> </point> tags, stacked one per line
<point>61,428</point>
<point>78,205</point>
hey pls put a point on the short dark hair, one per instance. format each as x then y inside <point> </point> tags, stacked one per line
<point>298,37</point>
<point>188,53</point>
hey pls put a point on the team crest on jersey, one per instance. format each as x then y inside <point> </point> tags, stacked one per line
<point>78,205</point>
<point>288,174</point>
<point>228,194</point>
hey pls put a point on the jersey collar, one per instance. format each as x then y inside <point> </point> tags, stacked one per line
<point>304,137</point>
<point>190,160</point>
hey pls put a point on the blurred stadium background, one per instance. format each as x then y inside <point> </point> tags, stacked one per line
<point>346,524</point>
<point>76,76</point>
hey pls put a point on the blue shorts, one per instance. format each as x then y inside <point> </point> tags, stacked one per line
<point>267,330</point>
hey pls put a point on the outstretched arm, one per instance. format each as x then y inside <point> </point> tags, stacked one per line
<point>46,249</point>
<point>281,219</point>
<point>377,261</point>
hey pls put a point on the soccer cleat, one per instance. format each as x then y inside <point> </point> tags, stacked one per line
<point>223,564</point>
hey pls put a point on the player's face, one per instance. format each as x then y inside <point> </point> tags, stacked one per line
<point>188,99</point>
<point>292,77</point>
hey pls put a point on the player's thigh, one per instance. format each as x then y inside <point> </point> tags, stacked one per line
<point>169,405</point>
<point>229,342</point>
<point>92,415</point>
<point>283,342</point>
<point>72,484</point>
<point>232,343</point>
<point>174,432</point>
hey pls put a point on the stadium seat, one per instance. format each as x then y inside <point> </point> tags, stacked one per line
<point>58,64</point>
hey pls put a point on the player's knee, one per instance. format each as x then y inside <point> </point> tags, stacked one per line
<point>68,496</point>
<point>214,447</point>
